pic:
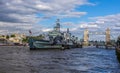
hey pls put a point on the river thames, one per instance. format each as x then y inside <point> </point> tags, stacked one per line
<point>78,60</point>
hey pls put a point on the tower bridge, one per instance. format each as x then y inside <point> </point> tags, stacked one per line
<point>87,33</point>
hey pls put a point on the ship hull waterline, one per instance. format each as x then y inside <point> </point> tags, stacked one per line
<point>43,44</point>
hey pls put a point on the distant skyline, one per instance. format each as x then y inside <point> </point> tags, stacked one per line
<point>39,16</point>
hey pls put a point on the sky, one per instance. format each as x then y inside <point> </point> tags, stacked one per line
<point>39,16</point>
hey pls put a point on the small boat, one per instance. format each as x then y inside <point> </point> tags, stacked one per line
<point>118,48</point>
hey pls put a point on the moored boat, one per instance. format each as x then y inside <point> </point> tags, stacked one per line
<point>118,48</point>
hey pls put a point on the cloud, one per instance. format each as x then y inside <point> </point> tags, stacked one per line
<point>88,26</point>
<point>71,14</point>
<point>21,14</point>
<point>46,29</point>
<point>44,7</point>
<point>109,19</point>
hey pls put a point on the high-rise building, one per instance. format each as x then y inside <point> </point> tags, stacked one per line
<point>57,26</point>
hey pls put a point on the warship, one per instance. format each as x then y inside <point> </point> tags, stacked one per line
<point>56,39</point>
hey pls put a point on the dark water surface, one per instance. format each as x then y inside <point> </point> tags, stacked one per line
<point>85,60</point>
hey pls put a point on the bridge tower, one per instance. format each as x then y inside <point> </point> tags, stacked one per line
<point>86,37</point>
<point>107,35</point>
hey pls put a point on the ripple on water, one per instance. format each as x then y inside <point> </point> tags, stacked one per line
<point>85,60</point>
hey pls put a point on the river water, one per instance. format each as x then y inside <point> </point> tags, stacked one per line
<point>78,60</point>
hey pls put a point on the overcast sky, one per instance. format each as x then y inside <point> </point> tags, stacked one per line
<point>39,16</point>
